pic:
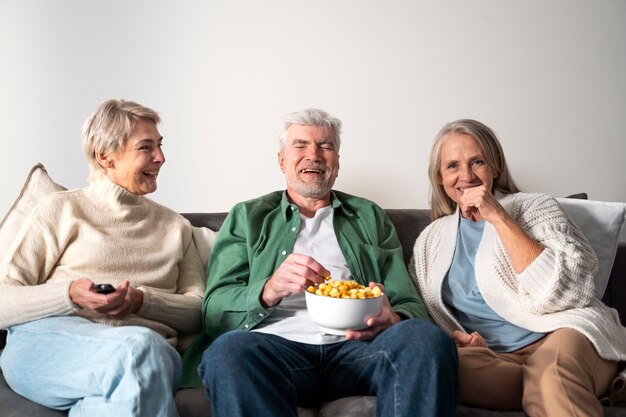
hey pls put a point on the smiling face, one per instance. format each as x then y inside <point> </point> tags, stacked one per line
<point>310,160</point>
<point>462,165</point>
<point>136,166</point>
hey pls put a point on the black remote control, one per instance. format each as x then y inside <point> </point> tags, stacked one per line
<point>103,288</point>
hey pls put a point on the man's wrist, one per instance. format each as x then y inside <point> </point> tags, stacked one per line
<point>402,316</point>
<point>266,298</point>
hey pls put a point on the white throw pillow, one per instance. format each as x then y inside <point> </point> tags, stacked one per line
<point>601,222</point>
<point>38,184</point>
<point>204,238</point>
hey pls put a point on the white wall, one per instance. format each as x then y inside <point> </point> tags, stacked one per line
<point>548,77</point>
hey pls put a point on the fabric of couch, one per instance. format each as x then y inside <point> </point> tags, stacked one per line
<point>409,223</point>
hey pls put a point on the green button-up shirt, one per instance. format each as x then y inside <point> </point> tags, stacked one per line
<point>259,234</point>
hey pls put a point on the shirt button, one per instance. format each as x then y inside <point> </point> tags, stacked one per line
<point>292,208</point>
<point>293,229</point>
<point>246,326</point>
<point>261,314</point>
<point>284,252</point>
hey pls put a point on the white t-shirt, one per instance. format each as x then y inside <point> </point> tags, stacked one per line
<point>316,239</point>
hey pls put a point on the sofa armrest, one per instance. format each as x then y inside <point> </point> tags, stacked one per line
<point>615,294</point>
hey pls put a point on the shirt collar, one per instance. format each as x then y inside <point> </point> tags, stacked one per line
<point>288,209</point>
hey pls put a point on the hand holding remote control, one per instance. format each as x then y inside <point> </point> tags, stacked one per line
<point>103,288</point>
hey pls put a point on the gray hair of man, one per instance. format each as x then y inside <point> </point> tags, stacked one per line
<point>106,130</point>
<point>311,117</point>
<point>440,203</point>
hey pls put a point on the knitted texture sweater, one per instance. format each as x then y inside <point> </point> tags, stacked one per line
<point>108,235</point>
<point>555,291</point>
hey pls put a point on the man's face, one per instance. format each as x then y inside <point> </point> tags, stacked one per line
<point>310,161</point>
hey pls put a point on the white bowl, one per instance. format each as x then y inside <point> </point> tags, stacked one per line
<point>336,315</point>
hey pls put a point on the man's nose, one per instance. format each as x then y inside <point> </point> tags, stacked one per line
<point>313,153</point>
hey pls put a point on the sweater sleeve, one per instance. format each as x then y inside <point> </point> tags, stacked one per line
<point>432,255</point>
<point>180,310</point>
<point>25,295</point>
<point>562,277</point>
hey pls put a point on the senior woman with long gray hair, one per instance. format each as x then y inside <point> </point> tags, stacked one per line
<point>511,278</point>
<point>71,347</point>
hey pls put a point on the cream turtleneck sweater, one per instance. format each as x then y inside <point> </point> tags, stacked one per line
<point>108,235</point>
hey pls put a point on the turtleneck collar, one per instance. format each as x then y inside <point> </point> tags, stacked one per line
<point>108,194</point>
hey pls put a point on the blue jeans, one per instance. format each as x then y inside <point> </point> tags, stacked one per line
<point>92,370</point>
<point>411,368</point>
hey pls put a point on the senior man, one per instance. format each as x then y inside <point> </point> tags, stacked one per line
<point>266,355</point>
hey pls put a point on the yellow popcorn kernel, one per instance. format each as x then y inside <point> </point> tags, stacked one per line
<point>347,289</point>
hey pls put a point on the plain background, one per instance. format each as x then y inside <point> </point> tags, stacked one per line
<point>548,76</point>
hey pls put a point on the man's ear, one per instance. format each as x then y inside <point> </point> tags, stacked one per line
<point>281,161</point>
<point>104,159</point>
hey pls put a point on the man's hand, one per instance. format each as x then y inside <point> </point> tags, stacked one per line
<point>123,301</point>
<point>293,276</point>
<point>463,339</point>
<point>385,319</point>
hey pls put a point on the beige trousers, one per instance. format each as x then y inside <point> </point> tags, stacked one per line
<point>560,375</point>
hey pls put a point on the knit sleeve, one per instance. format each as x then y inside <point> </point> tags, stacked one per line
<point>427,268</point>
<point>562,277</point>
<point>25,295</point>
<point>180,310</point>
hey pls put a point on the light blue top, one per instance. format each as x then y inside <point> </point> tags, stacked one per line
<point>461,294</point>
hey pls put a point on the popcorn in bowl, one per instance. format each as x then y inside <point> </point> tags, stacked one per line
<point>337,306</point>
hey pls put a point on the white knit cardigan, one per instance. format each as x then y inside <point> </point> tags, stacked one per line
<point>555,291</point>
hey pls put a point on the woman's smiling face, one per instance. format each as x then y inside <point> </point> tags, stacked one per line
<point>462,165</point>
<point>136,166</point>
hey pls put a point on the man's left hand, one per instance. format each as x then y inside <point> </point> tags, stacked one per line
<point>385,319</point>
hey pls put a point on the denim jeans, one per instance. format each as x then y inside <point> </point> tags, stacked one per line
<point>92,370</point>
<point>411,368</point>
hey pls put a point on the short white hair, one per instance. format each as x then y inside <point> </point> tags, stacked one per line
<point>311,117</point>
<point>106,130</point>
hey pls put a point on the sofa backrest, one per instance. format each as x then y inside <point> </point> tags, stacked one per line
<point>409,224</point>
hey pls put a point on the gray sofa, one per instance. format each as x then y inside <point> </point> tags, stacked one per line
<point>409,223</point>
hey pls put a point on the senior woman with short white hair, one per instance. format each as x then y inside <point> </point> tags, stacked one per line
<point>70,346</point>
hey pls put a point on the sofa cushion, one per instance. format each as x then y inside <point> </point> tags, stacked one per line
<point>204,238</point>
<point>14,405</point>
<point>194,402</point>
<point>356,406</point>
<point>601,223</point>
<point>408,223</point>
<point>38,184</point>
